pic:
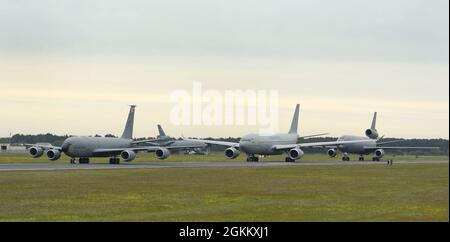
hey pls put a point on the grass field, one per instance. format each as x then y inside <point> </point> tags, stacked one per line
<point>403,192</point>
<point>25,158</point>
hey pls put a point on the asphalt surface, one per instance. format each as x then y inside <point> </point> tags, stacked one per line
<point>149,165</point>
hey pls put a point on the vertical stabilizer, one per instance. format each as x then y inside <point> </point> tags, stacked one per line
<point>128,132</point>
<point>161,131</point>
<point>294,123</point>
<point>374,121</point>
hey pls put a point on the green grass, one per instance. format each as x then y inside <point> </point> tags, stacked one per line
<point>143,157</point>
<point>403,192</point>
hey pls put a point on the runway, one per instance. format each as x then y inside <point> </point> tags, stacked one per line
<point>199,164</point>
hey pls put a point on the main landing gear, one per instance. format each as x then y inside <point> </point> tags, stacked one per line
<point>375,158</point>
<point>345,157</point>
<point>252,158</point>
<point>84,161</point>
<point>288,159</point>
<point>361,158</point>
<point>114,161</point>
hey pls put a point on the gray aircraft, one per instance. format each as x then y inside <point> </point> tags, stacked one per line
<point>87,147</point>
<point>164,140</point>
<point>255,144</point>
<point>371,144</point>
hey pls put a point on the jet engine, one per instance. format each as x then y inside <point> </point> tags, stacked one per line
<point>379,153</point>
<point>36,152</point>
<point>332,152</point>
<point>128,155</point>
<point>296,153</point>
<point>232,153</point>
<point>53,154</point>
<point>162,153</point>
<point>372,133</point>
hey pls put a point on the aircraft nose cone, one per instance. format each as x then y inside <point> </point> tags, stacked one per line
<point>65,147</point>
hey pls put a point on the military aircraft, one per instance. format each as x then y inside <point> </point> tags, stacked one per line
<point>193,147</point>
<point>371,144</point>
<point>87,147</point>
<point>256,144</point>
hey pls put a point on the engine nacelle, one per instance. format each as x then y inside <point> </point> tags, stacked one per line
<point>53,154</point>
<point>372,133</point>
<point>36,152</point>
<point>332,152</point>
<point>128,155</point>
<point>379,153</point>
<point>232,153</point>
<point>296,153</point>
<point>162,153</point>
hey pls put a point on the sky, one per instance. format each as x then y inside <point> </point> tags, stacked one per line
<point>72,67</point>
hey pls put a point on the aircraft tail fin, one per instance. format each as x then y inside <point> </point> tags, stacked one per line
<point>128,132</point>
<point>161,131</point>
<point>374,121</point>
<point>294,124</point>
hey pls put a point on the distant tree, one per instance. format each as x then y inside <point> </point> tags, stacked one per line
<point>110,136</point>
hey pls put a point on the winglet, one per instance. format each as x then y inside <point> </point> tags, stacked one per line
<point>294,124</point>
<point>128,131</point>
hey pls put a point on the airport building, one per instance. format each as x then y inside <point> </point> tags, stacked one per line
<point>12,148</point>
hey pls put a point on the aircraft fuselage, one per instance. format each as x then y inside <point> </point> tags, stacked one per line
<point>85,146</point>
<point>357,148</point>
<point>263,144</point>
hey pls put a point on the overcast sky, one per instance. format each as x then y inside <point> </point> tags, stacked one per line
<point>71,67</point>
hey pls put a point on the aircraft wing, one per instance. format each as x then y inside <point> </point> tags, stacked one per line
<point>44,147</point>
<point>147,141</point>
<point>139,149</point>
<point>389,142</point>
<point>216,142</point>
<point>397,147</point>
<point>316,144</point>
<point>112,152</point>
<point>313,135</point>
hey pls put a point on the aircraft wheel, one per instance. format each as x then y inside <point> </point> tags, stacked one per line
<point>252,159</point>
<point>289,160</point>
<point>361,158</point>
